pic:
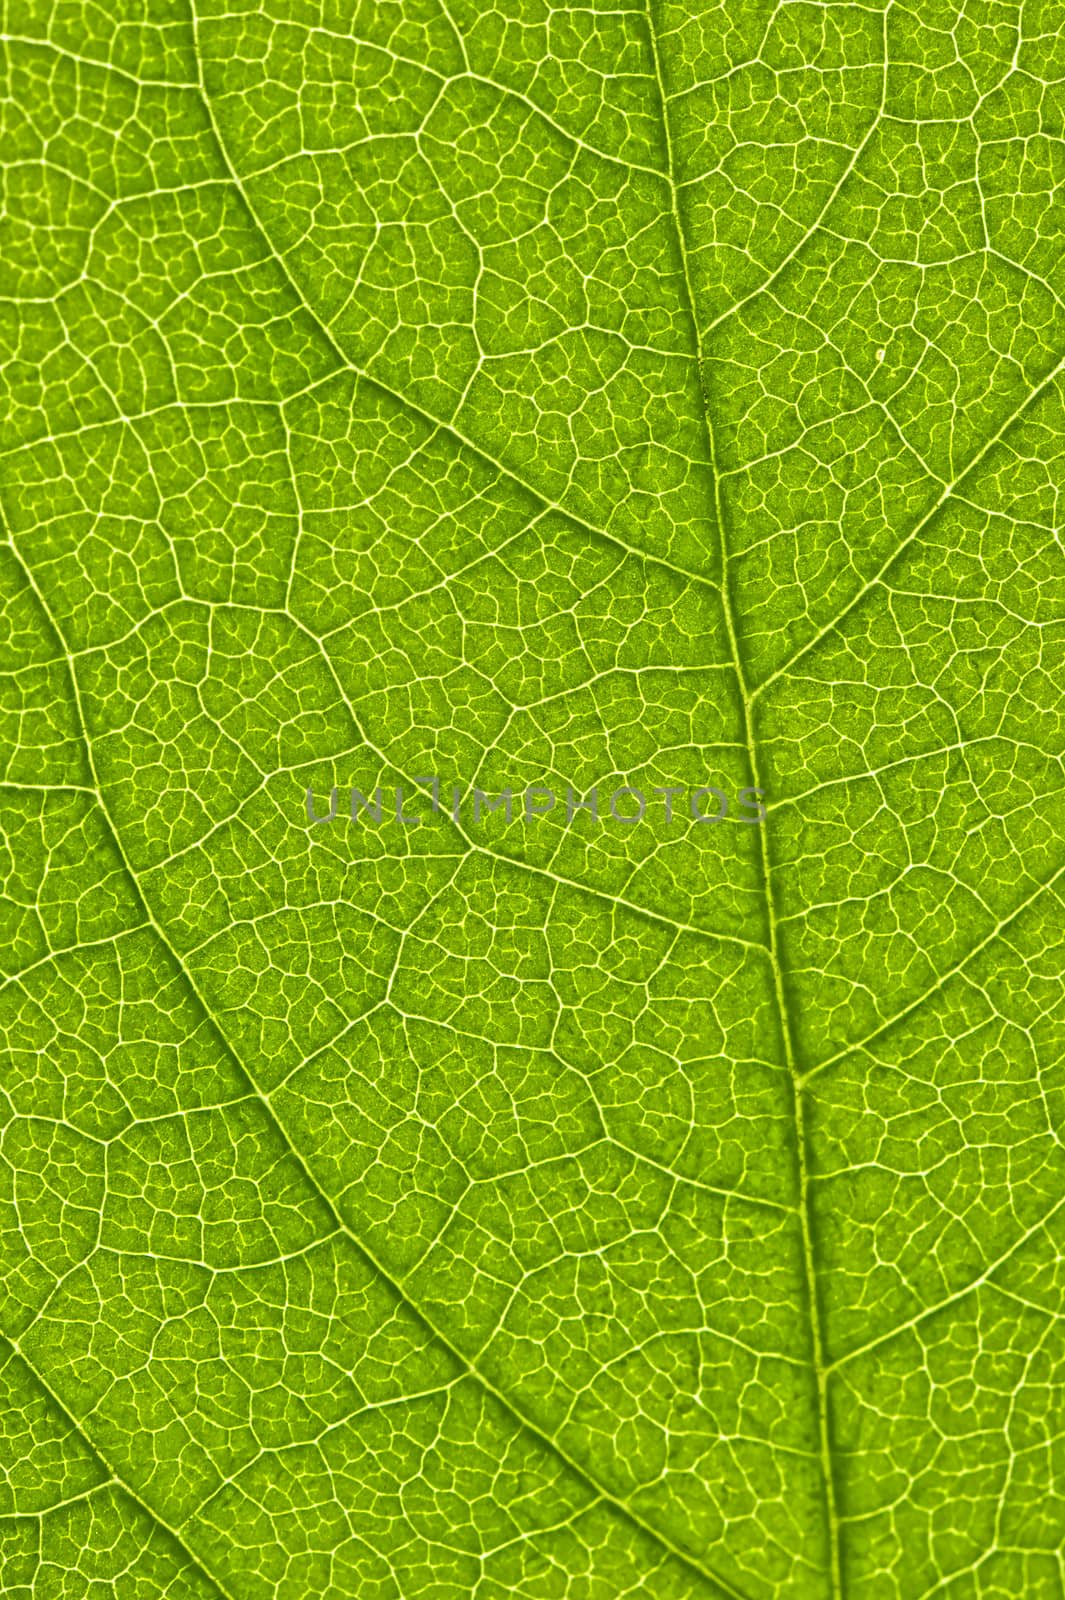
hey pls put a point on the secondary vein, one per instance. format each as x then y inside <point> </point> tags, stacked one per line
<point>112,1477</point>
<point>665,1542</point>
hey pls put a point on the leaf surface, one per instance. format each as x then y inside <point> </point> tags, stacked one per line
<point>643,396</point>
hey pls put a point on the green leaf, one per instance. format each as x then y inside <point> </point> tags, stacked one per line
<point>532,397</point>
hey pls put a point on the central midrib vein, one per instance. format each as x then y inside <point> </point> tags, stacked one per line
<point>667,1543</point>
<point>797,1088</point>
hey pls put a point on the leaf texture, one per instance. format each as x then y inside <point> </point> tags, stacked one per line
<point>654,394</point>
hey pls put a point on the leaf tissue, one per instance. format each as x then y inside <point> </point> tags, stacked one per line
<point>559,434</point>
